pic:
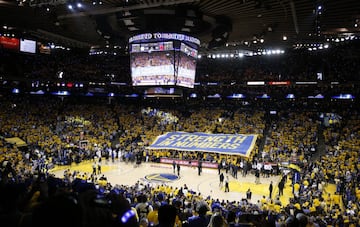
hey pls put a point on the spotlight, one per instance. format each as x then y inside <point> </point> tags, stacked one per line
<point>47,9</point>
<point>284,38</point>
<point>79,5</point>
<point>319,7</point>
<point>70,7</point>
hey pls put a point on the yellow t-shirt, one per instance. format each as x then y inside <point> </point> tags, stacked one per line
<point>153,217</point>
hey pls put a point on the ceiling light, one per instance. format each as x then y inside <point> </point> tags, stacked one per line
<point>261,40</point>
<point>79,5</point>
<point>70,7</point>
<point>284,38</point>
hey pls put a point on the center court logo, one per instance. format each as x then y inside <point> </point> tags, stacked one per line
<point>161,177</point>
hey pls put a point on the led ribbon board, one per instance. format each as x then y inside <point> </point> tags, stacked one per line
<point>163,36</point>
<point>234,144</point>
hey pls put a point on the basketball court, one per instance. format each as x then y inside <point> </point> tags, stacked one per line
<point>207,184</point>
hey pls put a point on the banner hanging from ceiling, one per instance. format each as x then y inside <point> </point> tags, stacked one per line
<point>234,144</point>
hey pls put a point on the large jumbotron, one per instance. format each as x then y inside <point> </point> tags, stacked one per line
<point>163,59</point>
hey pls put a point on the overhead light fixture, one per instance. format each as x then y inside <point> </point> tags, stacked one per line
<point>79,5</point>
<point>284,38</point>
<point>70,6</point>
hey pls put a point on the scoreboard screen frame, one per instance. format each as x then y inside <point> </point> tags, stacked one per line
<point>148,71</point>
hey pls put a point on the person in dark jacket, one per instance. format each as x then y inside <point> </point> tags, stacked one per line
<point>201,220</point>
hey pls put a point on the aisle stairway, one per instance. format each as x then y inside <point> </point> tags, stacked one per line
<point>321,148</point>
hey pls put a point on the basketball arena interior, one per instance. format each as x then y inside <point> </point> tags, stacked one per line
<point>179,113</point>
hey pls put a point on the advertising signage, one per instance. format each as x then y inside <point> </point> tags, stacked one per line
<point>164,36</point>
<point>9,43</point>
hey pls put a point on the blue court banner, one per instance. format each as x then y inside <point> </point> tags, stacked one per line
<point>235,144</point>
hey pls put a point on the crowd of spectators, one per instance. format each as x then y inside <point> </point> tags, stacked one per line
<point>53,130</point>
<point>294,135</point>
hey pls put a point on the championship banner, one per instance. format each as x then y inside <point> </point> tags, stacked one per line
<point>234,144</point>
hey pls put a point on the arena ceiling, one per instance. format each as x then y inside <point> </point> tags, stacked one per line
<point>218,23</point>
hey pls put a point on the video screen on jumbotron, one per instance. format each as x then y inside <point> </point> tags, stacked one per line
<point>187,66</point>
<point>163,59</point>
<point>152,64</point>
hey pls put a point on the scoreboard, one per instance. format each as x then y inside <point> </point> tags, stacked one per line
<point>168,59</point>
<point>149,47</point>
